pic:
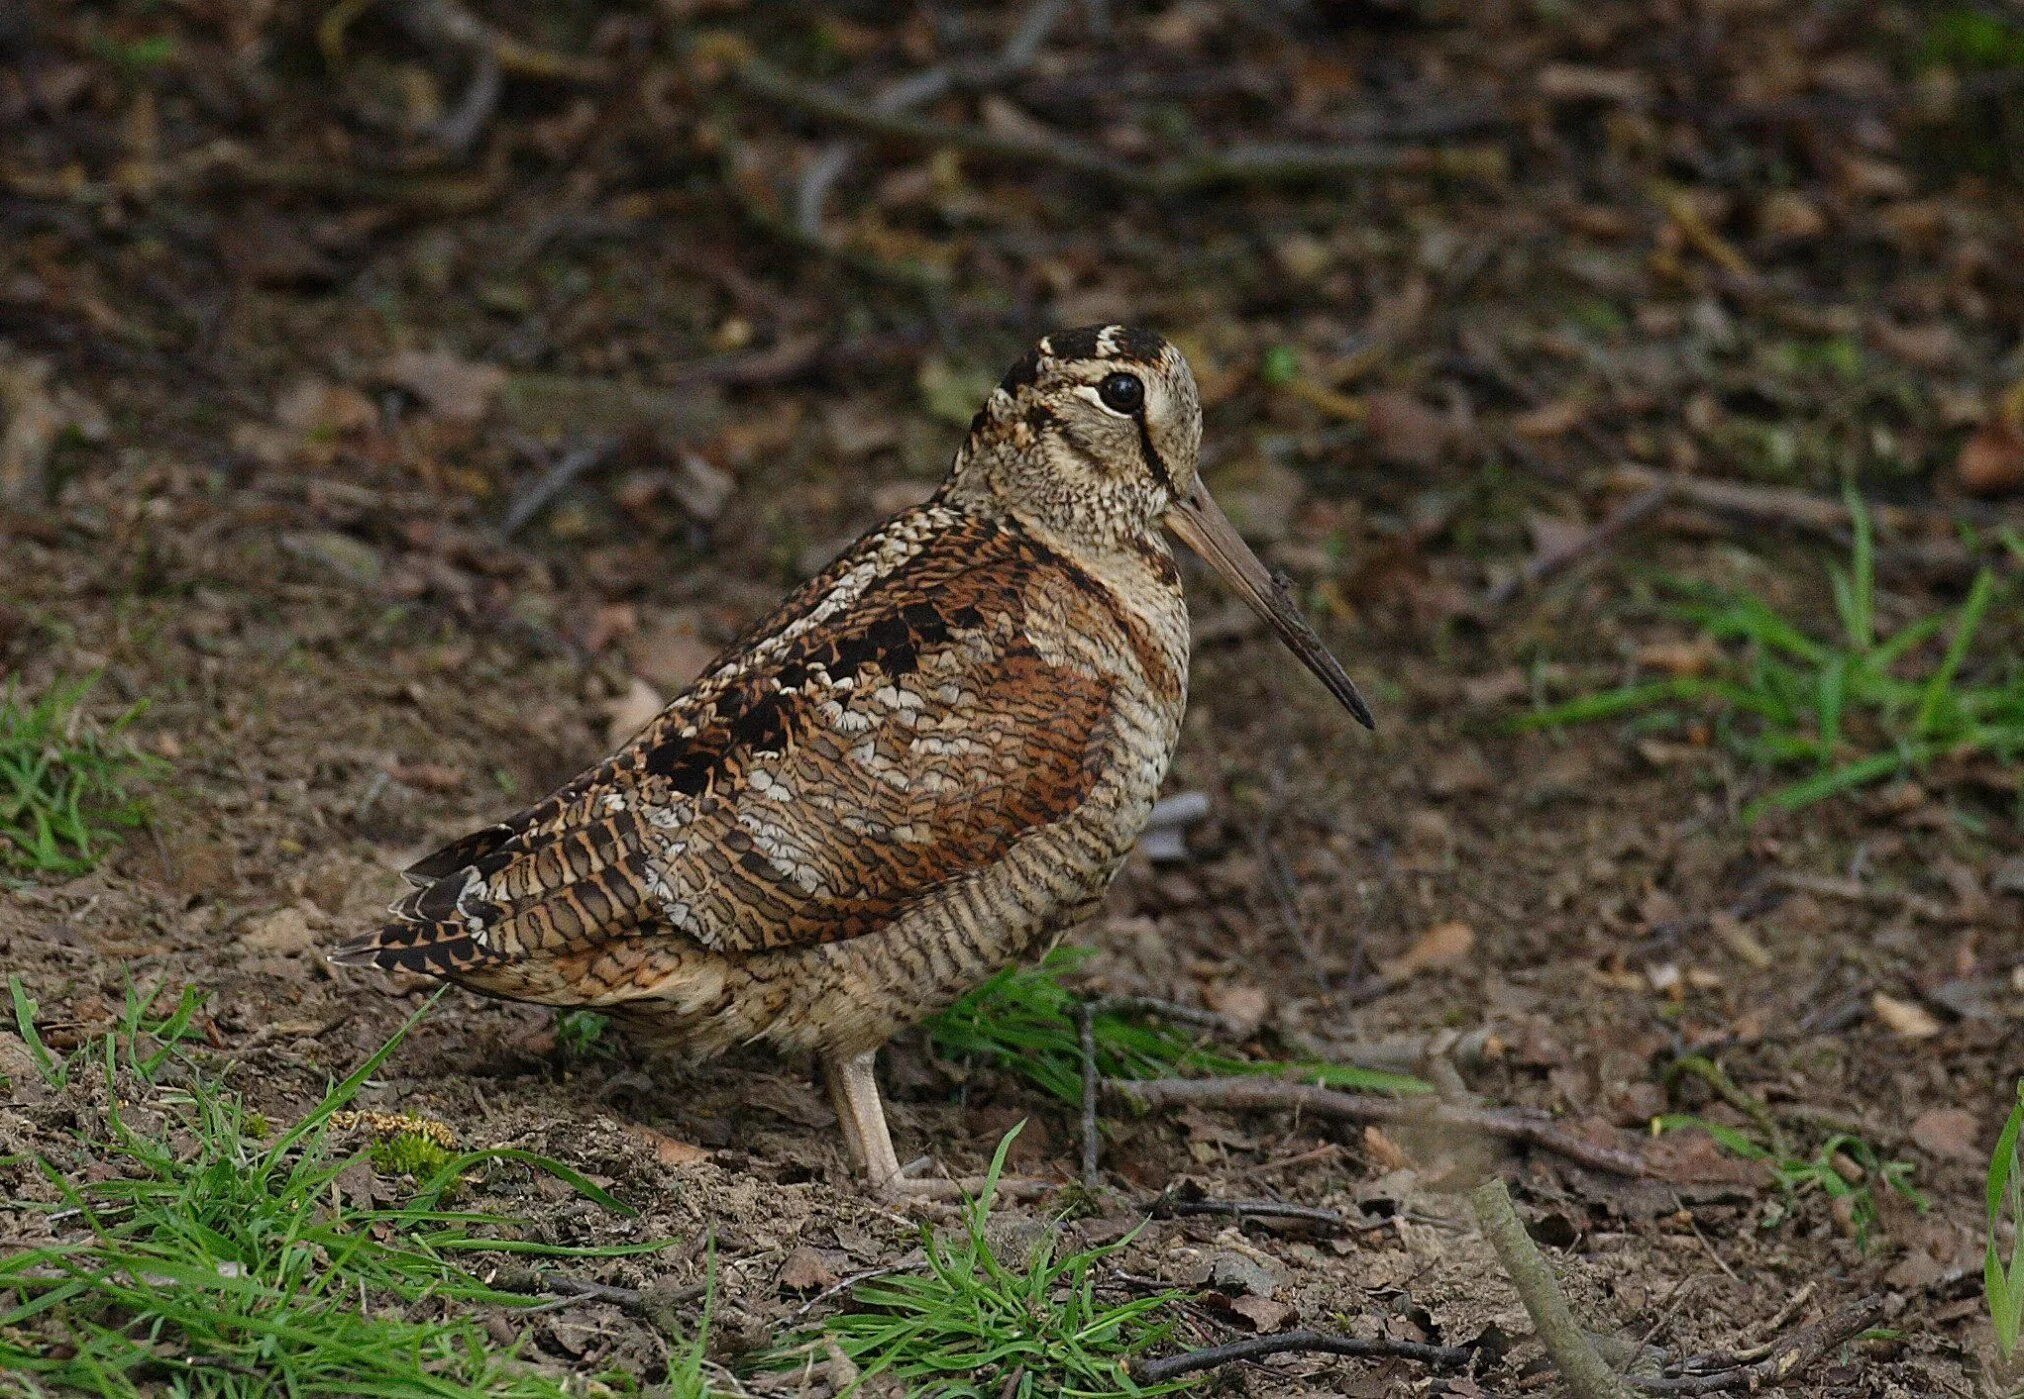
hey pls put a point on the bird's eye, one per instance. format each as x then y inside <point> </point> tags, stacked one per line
<point>1122,393</point>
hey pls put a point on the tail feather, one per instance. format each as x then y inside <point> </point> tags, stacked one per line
<point>432,949</point>
<point>516,900</point>
<point>458,854</point>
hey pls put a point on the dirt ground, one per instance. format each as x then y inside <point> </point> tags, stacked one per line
<point>302,346</point>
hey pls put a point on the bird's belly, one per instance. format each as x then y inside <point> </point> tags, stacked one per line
<point>854,994</point>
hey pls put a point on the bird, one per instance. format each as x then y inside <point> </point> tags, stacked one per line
<point>927,764</point>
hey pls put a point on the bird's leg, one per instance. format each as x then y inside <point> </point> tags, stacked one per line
<point>853,1089</point>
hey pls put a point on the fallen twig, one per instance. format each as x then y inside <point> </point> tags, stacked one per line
<point>1573,1353</point>
<point>1794,1352</point>
<point>1779,1319</point>
<point>1265,164</point>
<point>554,481</point>
<point>1013,59</point>
<point>1092,1080</point>
<point>1512,1124</point>
<point>1318,1342</point>
<point>1168,1206</point>
<point>1874,896</point>
<point>1191,1016</point>
<point>225,164</point>
<point>1553,561</point>
<point>915,276</point>
<point>1780,504</point>
<point>655,1305</point>
<point>1085,1028</point>
<point>448,23</point>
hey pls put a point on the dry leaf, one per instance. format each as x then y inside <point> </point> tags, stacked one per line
<point>34,414</point>
<point>1573,82</point>
<point>1263,1314</point>
<point>702,488</point>
<point>669,651</point>
<point>1992,460</point>
<point>1384,1153</point>
<point>629,713</point>
<point>669,1151</point>
<point>1788,216</point>
<point>805,1270</point>
<point>1681,658</point>
<point>1242,1005</point>
<point>1905,1019</point>
<point>430,776</point>
<point>1949,1133</point>
<point>1551,419</point>
<point>285,930</point>
<point>1740,941</point>
<point>313,405</point>
<point>1403,430</point>
<point>1442,945</point>
<point>453,388</point>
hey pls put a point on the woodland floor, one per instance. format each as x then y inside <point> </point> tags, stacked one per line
<point>297,383</point>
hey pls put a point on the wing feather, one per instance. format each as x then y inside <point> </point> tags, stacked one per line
<point>892,728</point>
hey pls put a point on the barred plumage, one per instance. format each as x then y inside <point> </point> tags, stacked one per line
<point>929,761</point>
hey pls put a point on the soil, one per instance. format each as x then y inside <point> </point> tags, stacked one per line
<point>299,391</point>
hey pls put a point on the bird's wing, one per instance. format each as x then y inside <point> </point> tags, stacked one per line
<point>894,726</point>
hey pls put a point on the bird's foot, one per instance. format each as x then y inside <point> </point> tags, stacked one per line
<point>903,1187</point>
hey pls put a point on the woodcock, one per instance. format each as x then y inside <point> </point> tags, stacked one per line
<point>927,763</point>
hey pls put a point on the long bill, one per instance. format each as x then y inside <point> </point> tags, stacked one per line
<point>1203,527</point>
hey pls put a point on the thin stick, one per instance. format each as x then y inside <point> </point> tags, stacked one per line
<point>1534,1129</point>
<point>1319,1342</point>
<point>1554,561</point>
<point>554,481</point>
<point>1572,1352</point>
<point>1778,1321</point>
<point>918,88</point>
<point>1237,165</point>
<point>1167,1206</point>
<point>1806,1346</point>
<point>1782,504</point>
<point>1085,1027</point>
<point>1165,1010</point>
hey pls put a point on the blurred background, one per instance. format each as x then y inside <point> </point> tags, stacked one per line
<point>399,399</point>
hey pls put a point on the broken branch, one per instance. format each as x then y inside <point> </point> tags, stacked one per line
<point>1318,1342</point>
<point>1795,1352</point>
<point>1555,561</point>
<point>1573,1353</point>
<point>1512,1124</point>
<point>1264,164</point>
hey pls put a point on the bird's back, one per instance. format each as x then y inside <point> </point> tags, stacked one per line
<point>927,758</point>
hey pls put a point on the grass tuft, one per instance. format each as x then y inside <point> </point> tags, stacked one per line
<point>2003,1283</point>
<point>975,1325</point>
<point>1024,1020</point>
<point>1855,708</point>
<point>224,1259</point>
<point>64,782</point>
<point>580,1036</point>
<point>1845,1167</point>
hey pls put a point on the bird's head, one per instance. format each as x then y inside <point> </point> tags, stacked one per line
<point>1094,438</point>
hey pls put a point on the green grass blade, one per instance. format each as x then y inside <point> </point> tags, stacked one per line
<point>1938,689</point>
<point>345,1091</point>
<point>1611,703</point>
<point>1828,784</point>
<point>448,1174</point>
<point>25,1009</point>
<point>1861,615</point>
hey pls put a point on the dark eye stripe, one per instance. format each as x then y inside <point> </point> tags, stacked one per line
<point>1152,455</point>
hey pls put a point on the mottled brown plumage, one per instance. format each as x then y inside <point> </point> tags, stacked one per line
<point>928,762</point>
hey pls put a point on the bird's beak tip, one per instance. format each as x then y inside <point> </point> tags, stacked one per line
<point>1203,527</point>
